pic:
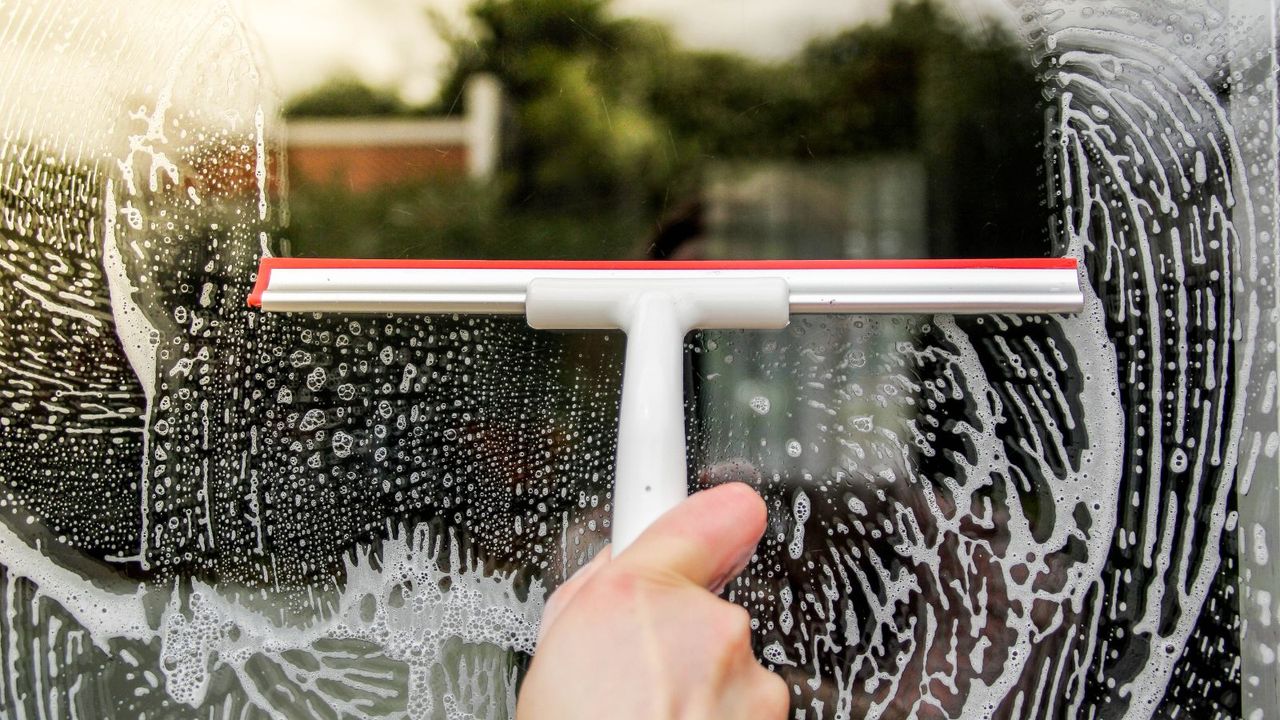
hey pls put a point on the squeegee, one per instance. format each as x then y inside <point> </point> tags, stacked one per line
<point>656,304</point>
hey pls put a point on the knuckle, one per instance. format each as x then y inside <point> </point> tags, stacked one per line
<point>614,588</point>
<point>774,698</point>
<point>735,626</point>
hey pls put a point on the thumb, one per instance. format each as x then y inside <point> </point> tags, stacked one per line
<point>707,539</point>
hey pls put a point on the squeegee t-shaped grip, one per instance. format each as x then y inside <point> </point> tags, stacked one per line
<point>650,476</point>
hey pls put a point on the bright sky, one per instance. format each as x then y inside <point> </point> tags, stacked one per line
<point>393,43</point>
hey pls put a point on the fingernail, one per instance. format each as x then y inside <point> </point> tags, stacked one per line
<point>736,569</point>
<point>721,584</point>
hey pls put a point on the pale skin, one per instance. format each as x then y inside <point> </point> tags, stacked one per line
<point>644,636</point>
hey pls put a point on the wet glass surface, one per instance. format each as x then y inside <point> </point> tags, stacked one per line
<point>211,511</point>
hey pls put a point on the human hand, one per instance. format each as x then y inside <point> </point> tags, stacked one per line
<point>644,635</point>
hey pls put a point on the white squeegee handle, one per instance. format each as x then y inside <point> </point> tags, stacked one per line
<point>650,477</point>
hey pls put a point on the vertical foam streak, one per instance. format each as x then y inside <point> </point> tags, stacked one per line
<point>1142,243</point>
<point>139,338</point>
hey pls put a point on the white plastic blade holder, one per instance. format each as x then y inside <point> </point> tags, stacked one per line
<point>650,471</point>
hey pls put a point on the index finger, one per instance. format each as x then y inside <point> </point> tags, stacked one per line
<point>706,539</point>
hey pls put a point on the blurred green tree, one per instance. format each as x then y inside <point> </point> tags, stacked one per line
<point>613,122</point>
<point>345,95</point>
<point>578,80</point>
<point>612,112</point>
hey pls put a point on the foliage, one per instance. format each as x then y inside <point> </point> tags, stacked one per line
<point>578,82</point>
<point>347,96</point>
<point>614,123</point>
<point>612,110</point>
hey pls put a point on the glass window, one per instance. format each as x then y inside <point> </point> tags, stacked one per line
<point>206,510</point>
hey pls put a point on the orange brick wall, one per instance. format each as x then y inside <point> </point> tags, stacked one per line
<point>368,167</point>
